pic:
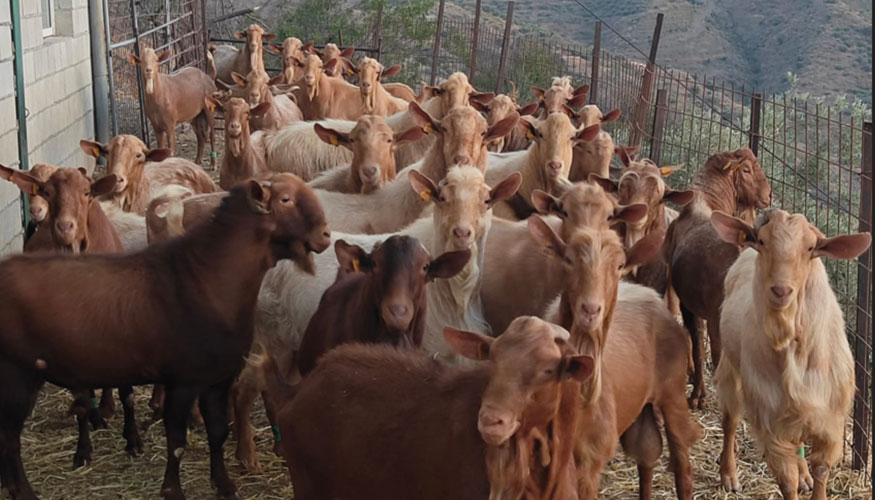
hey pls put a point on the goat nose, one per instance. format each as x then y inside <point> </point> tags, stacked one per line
<point>462,160</point>
<point>398,311</point>
<point>781,292</point>
<point>591,310</point>
<point>64,226</point>
<point>555,166</point>
<point>491,419</point>
<point>370,171</point>
<point>462,233</point>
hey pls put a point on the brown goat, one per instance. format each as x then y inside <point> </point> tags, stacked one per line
<point>640,358</point>
<point>376,100</point>
<point>786,361</point>
<point>230,59</point>
<point>331,52</point>
<point>242,159</point>
<point>402,91</point>
<point>379,297</point>
<point>641,182</point>
<point>291,49</point>
<point>592,157</point>
<point>142,172</point>
<point>367,415</point>
<point>37,206</point>
<point>500,107</point>
<point>373,145</point>
<point>734,183</point>
<point>320,96</point>
<point>281,109</point>
<point>558,96</point>
<point>193,340</point>
<point>174,99</point>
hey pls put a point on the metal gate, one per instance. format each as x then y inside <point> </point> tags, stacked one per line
<point>175,25</point>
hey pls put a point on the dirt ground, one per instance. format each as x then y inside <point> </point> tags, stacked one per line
<point>49,442</point>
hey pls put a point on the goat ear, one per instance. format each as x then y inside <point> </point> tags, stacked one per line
<point>329,66</point>
<point>570,112</point>
<point>307,48</point>
<point>530,129</point>
<point>547,204</point>
<point>448,264</point>
<point>274,49</point>
<point>502,128</point>
<point>158,154</point>
<point>613,115</point>
<point>297,62</point>
<point>278,79</point>
<point>423,119</point>
<point>93,148</point>
<point>348,67</point>
<point>644,250</point>
<point>347,52</point>
<point>733,230</point>
<point>390,71</point>
<point>352,258</point>
<point>164,56</point>
<point>626,153</point>
<point>332,136</point>
<point>579,367</point>
<point>212,104</point>
<point>483,108</point>
<point>25,182</point>
<point>552,244</point>
<point>582,90</point>
<point>268,36</point>
<point>262,108</point>
<point>588,134</point>
<point>239,79</point>
<point>481,97</point>
<point>538,92</point>
<point>528,109</point>
<point>578,100</point>
<point>468,344</point>
<point>104,185</point>
<point>505,189</point>
<point>133,59</point>
<point>258,196</point>
<point>409,135</point>
<point>846,246</point>
<point>424,186</point>
<point>610,186</point>
<point>680,198</point>
<point>240,35</point>
<point>629,213</point>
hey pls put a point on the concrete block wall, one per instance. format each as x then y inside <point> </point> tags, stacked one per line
<point>57,74</point>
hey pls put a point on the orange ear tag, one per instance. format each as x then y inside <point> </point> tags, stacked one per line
<point>333,139</point>
<point>427,128</point>
<point>482,352</point>
<point>35,189</point>
<point>425,194</point>
<point>665,171</point>
<point>355,265</point>
<point>741,238</point>
<point>96,152</point>
<point>530,135</point>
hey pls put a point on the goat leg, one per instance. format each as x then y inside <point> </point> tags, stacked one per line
<point>214,406</point>
<point>177,405</point>
<point>83,445</point>
<point>107,403</point>
<point>134,444</point>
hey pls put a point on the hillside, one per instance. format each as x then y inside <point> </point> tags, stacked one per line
<point>826,43</point>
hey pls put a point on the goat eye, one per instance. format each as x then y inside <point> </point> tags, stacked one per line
<point>139,155</point>
<point>760,241</point>
<point>811,248</point>
<point>483,134</point>
<point>286,199</point>
<point>389,141</point>
<point>548,372</point>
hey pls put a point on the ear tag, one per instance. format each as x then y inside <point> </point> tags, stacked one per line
<point>132,61</point>
<point>741,238</point>
<point>96,151</point>
<point>333,139</point>
<point>530,135</point>
<point>665,171</point>
<point>427,128</point>
<point>482,352</point>
<point>425,194</point>
<point>355,265</point>
<point>541,97</point>
<point>35,189</point>
<point>349,72</point>
<point>728,164</point>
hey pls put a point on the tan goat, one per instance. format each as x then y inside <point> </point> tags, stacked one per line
<point>560,95</point>
<point>142,172</point>
<point>376,100</point>
<point>281,110</point>
<point>499,108</point>
<point>174,99</point>
<point>785,360</point>
<point>229,59</point>
<point>331,52</point>
<point>320,96</point>
<point>593,157</point>
<point>291,49</point>
<point>373,145</point>
<point>244,156</point>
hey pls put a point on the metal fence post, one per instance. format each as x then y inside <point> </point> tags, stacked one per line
<point>658,124</point>
<point>135,26</point>
<point>862,351</point>
<point>646,85</point>
<point>474,41</point>
<point>378,33</point>
<point>505,47</point>
<point>437,43</point>
<point>596,56</point>
<point>756,107</point>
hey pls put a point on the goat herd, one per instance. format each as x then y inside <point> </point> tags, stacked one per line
<point>440,245</point>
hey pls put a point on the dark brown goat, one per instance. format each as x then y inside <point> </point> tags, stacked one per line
<point>374,422</point>
<point>185,325</point>
<point>75,222</point>
<point>734,183</point>
<point>379,297</point>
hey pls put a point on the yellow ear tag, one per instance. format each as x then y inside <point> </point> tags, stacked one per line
<point>349,72</point>
<point>425,194</point>
<point>540,97</point>
<point>530,135</point>
<point>728,164</point>
<point>333,139</point>
<point>427,128</point>
<point>665,171</point>
<point>35,189</point>
<point>96,151</point>
<point>355,265</point>
<point>741,238</point>
<point>482,352</point>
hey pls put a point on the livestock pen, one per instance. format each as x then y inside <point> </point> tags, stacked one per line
<point>817,156</point>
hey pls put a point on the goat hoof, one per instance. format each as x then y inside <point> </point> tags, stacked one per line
<point>96,419</point>
<point>106,412</point>
<point>730,483</point>
<point>172,494</point>
<point>81,458</point>
<point>134,446</point>
<point>250,463</point>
